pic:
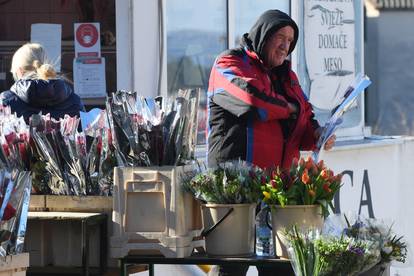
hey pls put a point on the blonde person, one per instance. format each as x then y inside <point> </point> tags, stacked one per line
<point>38,87</point>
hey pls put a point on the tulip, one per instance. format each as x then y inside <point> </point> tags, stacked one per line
<point>326,188</point>
<point>305,176</point>
<point>325,174</point>
<point>320,165</point>
<point>308,163</point>
<point>266,195</point>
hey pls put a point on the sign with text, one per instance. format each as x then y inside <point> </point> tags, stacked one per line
<point>89,77</point>
<point>329,49</point>
<point>87,40</point>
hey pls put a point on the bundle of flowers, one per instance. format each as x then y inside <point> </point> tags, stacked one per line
<point>153,132</point>
<point>391,246</point>
<point>231,182</point>
<point>15,151</point>
<point>15,188</point>
<point>76,162</point>
<point>101,156</point>
<point>305,183</point>
<point>313,254</point>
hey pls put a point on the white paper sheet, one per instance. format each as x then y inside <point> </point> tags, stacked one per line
<point>89,77</point>
<point>50,37</point>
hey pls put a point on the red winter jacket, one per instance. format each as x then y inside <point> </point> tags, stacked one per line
<point>249,119</point>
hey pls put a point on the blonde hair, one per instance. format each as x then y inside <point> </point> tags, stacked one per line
<point>32,60</point>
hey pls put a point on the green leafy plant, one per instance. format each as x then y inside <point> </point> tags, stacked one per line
<point>305,183</point>
<point>231,182</point>
<point>302,252</point>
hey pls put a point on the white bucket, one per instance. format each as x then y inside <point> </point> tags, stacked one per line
<point>234,236</point>
<point>303,216</point>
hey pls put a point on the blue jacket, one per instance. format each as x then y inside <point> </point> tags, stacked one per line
<point>31,96</point>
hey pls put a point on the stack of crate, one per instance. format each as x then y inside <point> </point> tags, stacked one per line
<point>152,215</point>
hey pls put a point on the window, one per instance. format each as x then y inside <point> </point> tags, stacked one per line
<point>17,16</point>
<point>199,31</point>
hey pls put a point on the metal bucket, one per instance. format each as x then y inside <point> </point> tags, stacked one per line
<point>229,229</point>
<point>303,216</point>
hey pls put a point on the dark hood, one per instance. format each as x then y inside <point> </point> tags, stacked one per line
<point>42,93</point>
<point>267,24</point>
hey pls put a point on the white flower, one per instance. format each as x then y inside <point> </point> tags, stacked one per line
<point>387,249</point>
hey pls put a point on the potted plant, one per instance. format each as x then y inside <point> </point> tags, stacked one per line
<point>301,195</point>
<point>230,194</point>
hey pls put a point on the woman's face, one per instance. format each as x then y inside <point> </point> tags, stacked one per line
<point>18,74</point>
<point>277,47</point>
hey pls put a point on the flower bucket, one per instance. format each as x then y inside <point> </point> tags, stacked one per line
<point>378,270</point>
<point>229,229</point>
<point>304,216</point>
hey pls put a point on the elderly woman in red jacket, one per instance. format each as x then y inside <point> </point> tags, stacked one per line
<point>257,109</point>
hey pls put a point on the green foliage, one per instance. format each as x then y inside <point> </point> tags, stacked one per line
<point>229,183</point>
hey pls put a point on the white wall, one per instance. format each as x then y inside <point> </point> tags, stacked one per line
<point>382,181</point>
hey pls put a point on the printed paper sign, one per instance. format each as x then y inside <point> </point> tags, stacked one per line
<point>87,40</point>
<point>89,77</point>
<point>329,49</point>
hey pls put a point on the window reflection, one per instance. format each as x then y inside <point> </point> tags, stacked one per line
<point>195,36</point>
<point>247,11</point>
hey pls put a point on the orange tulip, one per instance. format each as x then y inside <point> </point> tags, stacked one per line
<point>305,176</point>
<point>325,174</point>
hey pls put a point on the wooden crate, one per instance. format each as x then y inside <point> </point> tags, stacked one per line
<point>60,203</point>
<point>37,203</point>
<point>14,265</point>
<point>58,243</point>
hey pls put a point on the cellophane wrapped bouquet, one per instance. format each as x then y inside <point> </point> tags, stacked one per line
<point>391,247</point>
<point>15,182</point>
<point>314,254</point>
<point>346,246</point>
<point>153,132</point>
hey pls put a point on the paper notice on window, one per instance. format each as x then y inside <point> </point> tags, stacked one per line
<point>89,77</point>
<point>50,37</point>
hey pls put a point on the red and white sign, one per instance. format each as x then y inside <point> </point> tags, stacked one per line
<point>87,40</point>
